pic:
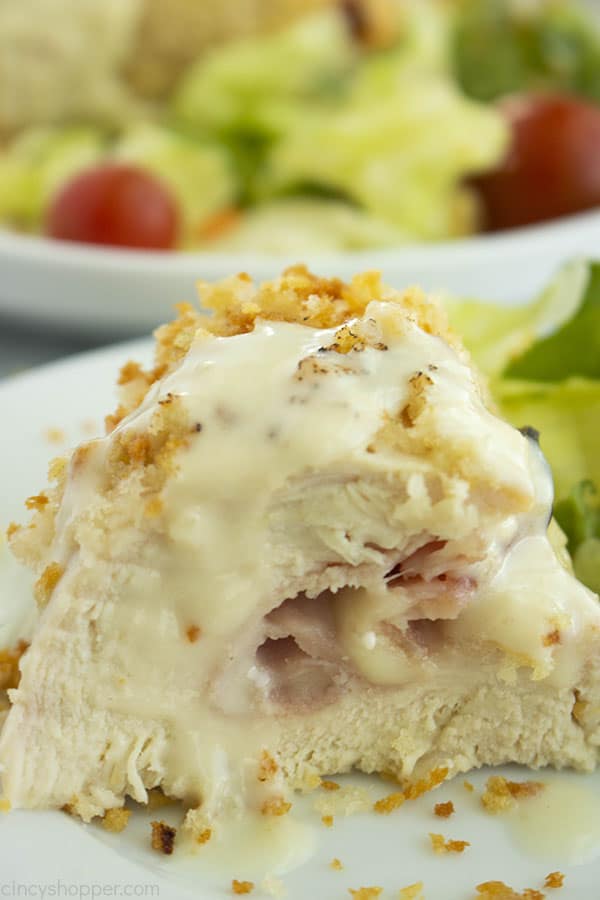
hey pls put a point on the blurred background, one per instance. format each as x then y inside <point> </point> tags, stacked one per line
<point>206,133</point>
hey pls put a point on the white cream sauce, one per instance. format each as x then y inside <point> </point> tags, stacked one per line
<point>561,823</point>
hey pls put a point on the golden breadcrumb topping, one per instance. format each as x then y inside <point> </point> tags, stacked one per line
<point>242,887</point>
<point>275,806</point>
<point>336,864</point>
<point>423,785</point>
<point>497,890</point>
<point>328,785</point>
<point>204,836</point>
<point>387,805</point>
<point>267,767</point>
<point>38,501</point>
<point>365,893</point>
<point>298,296</point>
<point>163,837</point>
<point>501,794</point>
<point>468,786</point>
<point>9,665</point>
<point>554,880</point>
<point>444,810</point>
<point>412,892</point>
<point>193,633</point>
<point>411,791</point>
<point>327,821</point>
<point>116,819</point>
<point>441,845</point>
<point>46,583</point>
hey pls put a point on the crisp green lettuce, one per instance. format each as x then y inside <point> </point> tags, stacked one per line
<point>257,85</point>
<point>37,164</point>
<point>579,516</point>
<point>567,415</point>
<point>498,335</point>
<point>313,114</point>
<point>381,147</point>
<point>572,349</point>
<point>500,47</point>
<point>543,365</point>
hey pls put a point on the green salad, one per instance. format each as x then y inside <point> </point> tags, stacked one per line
<point>543,366</point>
<point>306,139</point>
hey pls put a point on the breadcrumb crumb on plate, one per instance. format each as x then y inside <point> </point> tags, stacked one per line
<point>242,887</point>
<point>163,837</point>
<point>444,810</point>
<point>442,845</point>
<point>501,794</point>
<point>412,892</point>
<point>497,890</point>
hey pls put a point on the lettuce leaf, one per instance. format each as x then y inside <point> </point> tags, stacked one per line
<point>497,335</point>
<point>257,85</point>
<point>579,517</point>
<point>573,349</point>
<point>499,48</point>
<point>37,163</point>
<point>566,414</point>
<point>381,147</point>
<point>543,365</point>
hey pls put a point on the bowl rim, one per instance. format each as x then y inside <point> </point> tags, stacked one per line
<point>457,252</point>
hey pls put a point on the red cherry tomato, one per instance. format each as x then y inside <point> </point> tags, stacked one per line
<point>552,168</point>
<point>115,204</point>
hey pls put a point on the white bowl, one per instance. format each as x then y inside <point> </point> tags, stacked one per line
<point>122,292</point>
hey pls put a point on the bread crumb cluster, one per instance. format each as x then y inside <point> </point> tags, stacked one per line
<point>116,819</point>
<point>275,806</point>
<point>328,785</point>
<point>267,767</point>
<point>9,665</point>
<point>365,893</point>
<point>412,892</point>
<point>554,880</point>
<point>242,887</point>
<point>444,810</point>
<point>411,791</point>
<point>441,845</point>
<point>501,794</point>
<point>163,837</point>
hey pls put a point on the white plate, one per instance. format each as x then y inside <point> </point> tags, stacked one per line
<point>48,850</point>
<point>123,292</point>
